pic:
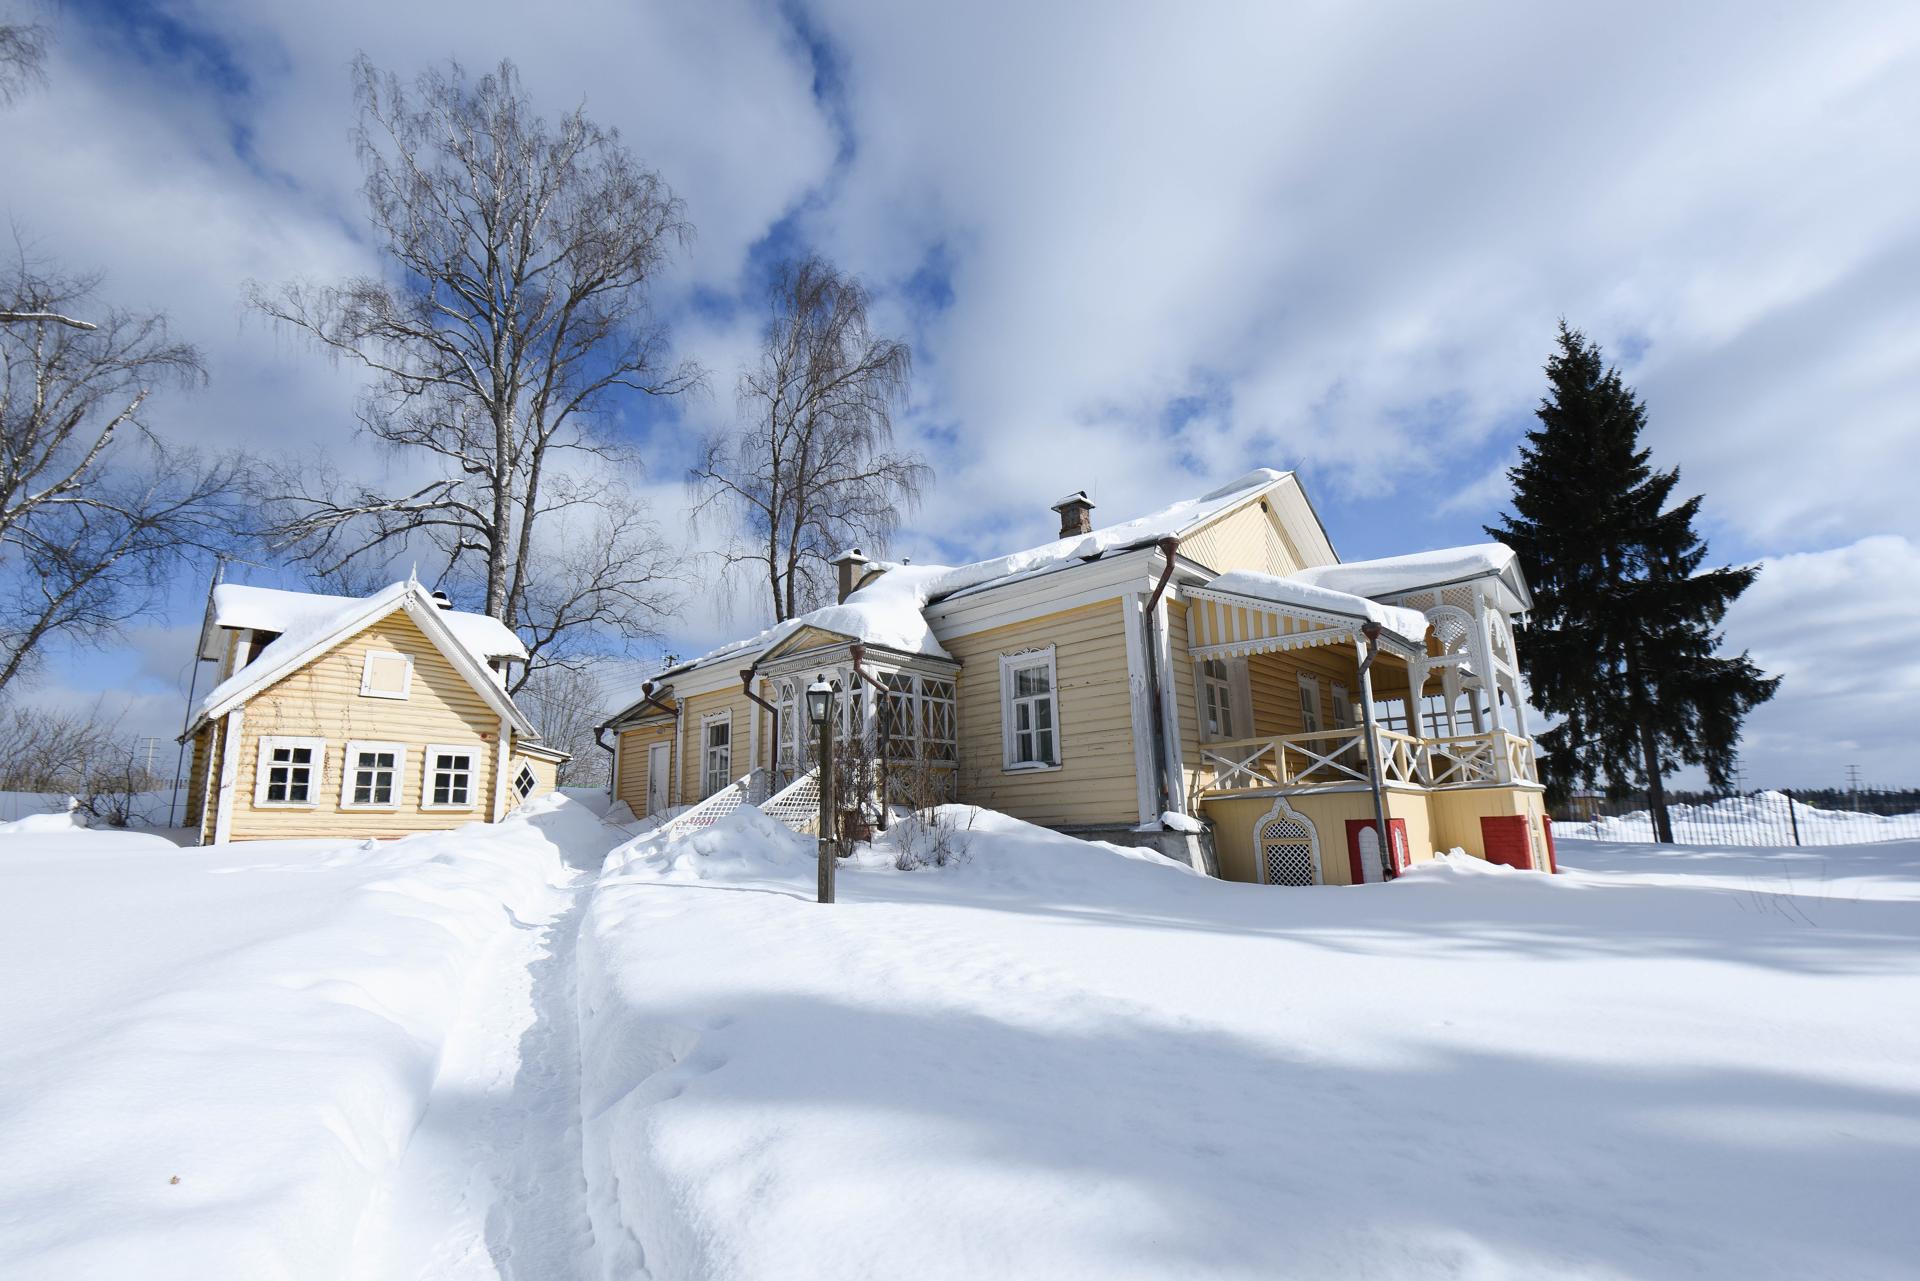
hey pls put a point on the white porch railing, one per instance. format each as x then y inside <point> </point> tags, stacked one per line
<point>1339,756</point>
<point>744,790</point>
<point>797,804</point>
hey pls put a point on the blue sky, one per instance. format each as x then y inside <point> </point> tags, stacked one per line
<point>1139,250</point>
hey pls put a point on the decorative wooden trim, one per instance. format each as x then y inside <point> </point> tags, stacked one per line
<point>1283,810</point>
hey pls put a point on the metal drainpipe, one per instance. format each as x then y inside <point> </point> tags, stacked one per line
<point>859,654</point>
<point>773,755</point>
<point>1168,546</point>
<point>1388,871</point>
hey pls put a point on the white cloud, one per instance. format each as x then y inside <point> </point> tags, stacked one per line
<point>1179,240</point>
<point>1842,630</point>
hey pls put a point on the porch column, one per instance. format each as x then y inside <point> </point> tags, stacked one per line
<point>1416,697</point>
<point>1450,690</point>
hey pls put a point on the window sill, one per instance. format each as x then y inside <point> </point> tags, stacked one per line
<point>364,806</point>
<point>1029,767</point>
<point>449,809</point>
<point>286,805</point>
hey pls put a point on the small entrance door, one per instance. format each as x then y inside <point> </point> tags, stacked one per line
<point>657,769</point>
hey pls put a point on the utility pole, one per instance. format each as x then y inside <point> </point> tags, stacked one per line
<point>1853,784</point>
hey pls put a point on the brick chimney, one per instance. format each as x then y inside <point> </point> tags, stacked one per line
<point>849,563</point>
<point>1076,514</point>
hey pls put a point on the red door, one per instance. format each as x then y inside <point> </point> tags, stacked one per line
<point>1357,862</point>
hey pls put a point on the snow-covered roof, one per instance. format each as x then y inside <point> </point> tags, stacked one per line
<point>888,610</point>
<point>1142,531</point>
<point>271,609</point>
<point>1397,575</point>
<point>1410,625</point>
<point>306,628</point>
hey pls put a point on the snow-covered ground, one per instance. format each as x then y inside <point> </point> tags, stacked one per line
<point>1060,1060</point>
<point>1048,1059</point>
<point>212,1060</point>
<point>1763,818</point>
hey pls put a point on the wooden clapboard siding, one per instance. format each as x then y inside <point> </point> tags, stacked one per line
<point>635,744</point>
<point>197,776</point>
<point>546,775</point>
<point>690,763</point>
<point>812,638</point>
<point>1275,685</point>
<point>1095,781</point>
<point>1247,538</point>
<point>323,700</point>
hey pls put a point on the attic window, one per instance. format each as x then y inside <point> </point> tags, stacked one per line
<point>386,674</point>
<point>524,782</point>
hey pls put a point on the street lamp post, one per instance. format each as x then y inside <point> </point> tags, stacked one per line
<point>820,712</point>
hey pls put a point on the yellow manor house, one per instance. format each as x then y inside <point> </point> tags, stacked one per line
<point>1209,680</point>
<point>349,716</point>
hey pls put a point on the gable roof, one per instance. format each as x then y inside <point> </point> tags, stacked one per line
<point>272,609</point>
<point>888,611</point>
<point>311,633</point>
<point>1443,567</point>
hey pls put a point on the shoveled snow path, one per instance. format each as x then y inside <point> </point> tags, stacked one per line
<point>491,1185</point>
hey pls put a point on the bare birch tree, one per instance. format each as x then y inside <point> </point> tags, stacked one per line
<point>23,57</point>
<point>566,703</point>
<point>810,468</point>
<point>96,512</point>
<point>515,313</point>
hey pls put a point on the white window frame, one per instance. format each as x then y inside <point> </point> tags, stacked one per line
<point>522,795</point>
<point>428,769</point>
<point>948,706</point>
<point>366,674</point>
<point>1222,689</point>
<point>1342,710</point>
<point>268,743</point>
<point>1312,721</point>
<point>350,766</point>
<point>1020,661</point>
<point>706,767</point>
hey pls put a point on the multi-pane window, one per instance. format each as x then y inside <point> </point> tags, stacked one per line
<point>1027,703</point>
<point>716,737</point>
<point>289,771</point>
<point>372,774</point>
<point>900,727</point>
<point>792,714</point>
<point>1309,703</point>
<point>1216,698</point>
<point>524,782</point>
<point>937,723</point>
<point>1342,708</point>
<point>448,782</point>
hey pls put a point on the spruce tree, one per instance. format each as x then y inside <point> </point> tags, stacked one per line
<point>1623,643</point>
